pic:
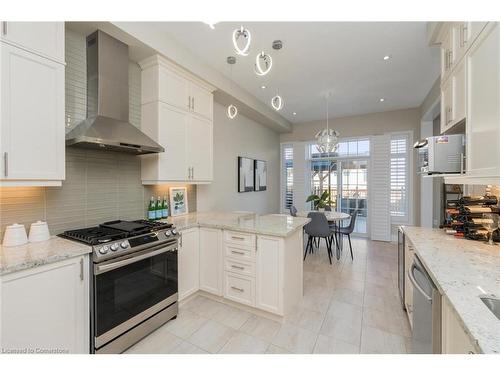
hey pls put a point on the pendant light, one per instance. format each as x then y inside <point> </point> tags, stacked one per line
<point>231,110</point>
<point>277,102</point>
<point>245,34</point>
<point>263,64</point>
<point>327,139</point>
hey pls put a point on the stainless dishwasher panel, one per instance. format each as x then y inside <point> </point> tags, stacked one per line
<point>426,335</point>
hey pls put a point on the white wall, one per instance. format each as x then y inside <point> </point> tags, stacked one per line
<point>240,137</point>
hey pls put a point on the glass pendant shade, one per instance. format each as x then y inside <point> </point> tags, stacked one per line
<point>327,140</point>
<point>263,64</point>
<point>277,102</point>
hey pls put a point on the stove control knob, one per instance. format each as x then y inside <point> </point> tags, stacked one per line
<point>103,250</point>
<point>174,231</point>
<point>168,233</point>
<point>114,247</point>
<point>124,244</point>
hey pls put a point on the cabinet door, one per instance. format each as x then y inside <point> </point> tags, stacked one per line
<point>173,124</point>
<point>447,53</point>
<point>47,307</point>
<point>459,93</point>
<point>45,38</point>
<point>473,30</point>
<point>446,100</point>
<point>211,267</point>
<point>199,147</point>
<point>189,263</point>
<point>32,116</point>
<point>173,89</point>
<point>454,340</point>
<point>201,101</point>
<point>268,274</point>
<point>483,111</point>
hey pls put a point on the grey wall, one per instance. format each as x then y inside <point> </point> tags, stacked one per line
<point>241,137</point>
<point>99,185</point>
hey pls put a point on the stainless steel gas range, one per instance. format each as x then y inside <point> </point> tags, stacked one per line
<point>134,280</point>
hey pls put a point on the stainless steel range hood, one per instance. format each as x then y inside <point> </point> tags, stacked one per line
<point>107,125</point>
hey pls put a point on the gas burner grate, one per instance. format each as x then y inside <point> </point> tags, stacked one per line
<point>94,235</point>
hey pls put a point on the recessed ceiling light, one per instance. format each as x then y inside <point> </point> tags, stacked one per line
<point>263,87</point>
<point>387,57</point>
<point>294,113</point>
<point>382,99</point>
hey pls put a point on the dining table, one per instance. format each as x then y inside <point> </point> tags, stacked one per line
<point>332,217</point>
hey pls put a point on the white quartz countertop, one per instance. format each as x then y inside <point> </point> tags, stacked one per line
<point>17,258</point>
<point>271,225</point>
<point>463,270</point>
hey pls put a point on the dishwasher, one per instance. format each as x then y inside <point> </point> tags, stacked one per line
<point>426,336</point>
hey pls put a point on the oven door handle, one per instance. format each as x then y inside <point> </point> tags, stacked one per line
<point>99,269</point>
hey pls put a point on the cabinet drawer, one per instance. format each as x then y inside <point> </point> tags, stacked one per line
<point>242,268</point>
<point>239,253</point>
<point>239,238</point>
<point>239,288</point>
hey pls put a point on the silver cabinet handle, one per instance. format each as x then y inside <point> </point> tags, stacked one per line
<point>4,28</point>
<point>237,267</point>
<point>81,269</point>
<point>192,170</point>
<point>238,289</point>
<point>192,103</point>
<point>237,238</point>
<point>6,164</point>
<point>464,34</point>
<point>180,239</point>
<point>189,102</point>
<point>238,252</point>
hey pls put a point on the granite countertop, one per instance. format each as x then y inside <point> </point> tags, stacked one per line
<point>271,225</point>
<point>17,258</point>
<point>463,270</point>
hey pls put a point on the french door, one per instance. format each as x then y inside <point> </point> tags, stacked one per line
<point>347,182</point>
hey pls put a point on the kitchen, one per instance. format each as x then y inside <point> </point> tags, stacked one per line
<point>172,194</point>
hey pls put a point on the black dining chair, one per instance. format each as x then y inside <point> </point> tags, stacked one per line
<point>318,228</point>
<point>293,211</point>
<point>347,231</point>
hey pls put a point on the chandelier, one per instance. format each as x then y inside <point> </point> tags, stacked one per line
<point>245,35</point>
<point>327,139</point>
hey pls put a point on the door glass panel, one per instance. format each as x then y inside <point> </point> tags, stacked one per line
<point>354,191</point>
<point>324,178</point>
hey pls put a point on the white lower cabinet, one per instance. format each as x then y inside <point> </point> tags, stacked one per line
<point>269,274</point>
<point>454,339</point>
<point>239,288</point>
<point>189,263</point>
<point>211,264</point>
<point>46,309</point>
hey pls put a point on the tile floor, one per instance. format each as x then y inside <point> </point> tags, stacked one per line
<point>349,307</point>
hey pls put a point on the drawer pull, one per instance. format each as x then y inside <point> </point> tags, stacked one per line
<point>237,267</point>
<point>238,238</point>
<point>238,252</point>
<point>238,289</point>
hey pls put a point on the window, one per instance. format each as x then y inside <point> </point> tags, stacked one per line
<point>347,148</point>
<point>287,177</point>
<point>399,195</point>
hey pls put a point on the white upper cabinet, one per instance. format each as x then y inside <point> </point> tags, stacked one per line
<point>483,112</point>
<point>32,119</point>
<point>447,54</point>
<point>199,151</point>
<point>177,110</point>
<point>43,38</point>
<point>453,97</point>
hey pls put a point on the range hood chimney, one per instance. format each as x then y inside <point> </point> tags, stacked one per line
<point>107,125</point>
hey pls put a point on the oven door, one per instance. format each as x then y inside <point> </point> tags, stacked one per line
<point>129,290</point>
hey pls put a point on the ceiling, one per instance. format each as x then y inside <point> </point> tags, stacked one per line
<point>344,58</point>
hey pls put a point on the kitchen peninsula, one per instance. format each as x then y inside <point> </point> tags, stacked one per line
<point>246,258</point>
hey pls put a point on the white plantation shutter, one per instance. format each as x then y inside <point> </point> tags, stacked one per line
<point>380,189</point>
<point>399,177</point>
<point>287,177</point>
<point>301,185</point>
